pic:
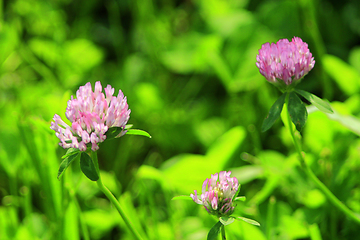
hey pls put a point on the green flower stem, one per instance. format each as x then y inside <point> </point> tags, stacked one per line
<point>112,199</point>
<point>292,132</point>
<point>330,196</point>
<point>72,194</point>
<point>270,217</point>
<point>83,226</point>
<point>223,236</point>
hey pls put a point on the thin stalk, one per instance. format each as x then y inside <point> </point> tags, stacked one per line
<point>311,27</point>
<point>292,133</point>
<point>330,196</point>
<point>270,217</point>
<point>72,194</point>
<point>83,226</point>
<point>223,236</point>
<point>1,12</point>
<point>113,199</point>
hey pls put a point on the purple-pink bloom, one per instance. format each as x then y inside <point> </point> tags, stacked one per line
<point>91,114</point>
<point>218,193</point>
<point>284,60</point>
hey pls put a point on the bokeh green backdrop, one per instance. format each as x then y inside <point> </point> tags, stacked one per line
<point>188,71</point>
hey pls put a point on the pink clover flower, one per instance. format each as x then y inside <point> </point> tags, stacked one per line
<point>218,193</point>
<point>285,61</point>
<point>91,114</point>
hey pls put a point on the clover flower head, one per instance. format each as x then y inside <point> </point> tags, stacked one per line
<point>218,194</point>
<point>91,114</point>
<point>284,60</point>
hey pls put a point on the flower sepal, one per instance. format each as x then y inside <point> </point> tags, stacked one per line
<point>115,132</point>
<point>69,152</point>
<point>226,220</point>
<point>283,87</point>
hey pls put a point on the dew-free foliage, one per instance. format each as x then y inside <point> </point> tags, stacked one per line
<point>297,111</point>
<point>318,102</point>
<point>214,231</point>
<point>274,113</point>
<point>68,159</point>
<point>88,167</point>
<point>188,70</point>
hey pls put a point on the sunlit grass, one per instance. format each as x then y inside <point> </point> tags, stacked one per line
<point>188,71</point>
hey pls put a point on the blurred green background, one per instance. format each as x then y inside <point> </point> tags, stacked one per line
<point>188,71</point>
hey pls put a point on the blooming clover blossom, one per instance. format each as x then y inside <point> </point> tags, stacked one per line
<point>284,60</point>
<point>217,196</point>
<point>91,114</point>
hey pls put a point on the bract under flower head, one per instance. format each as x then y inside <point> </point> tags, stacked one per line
<point>91,114</point>
<point>284,60</point>
<point>218,193</point>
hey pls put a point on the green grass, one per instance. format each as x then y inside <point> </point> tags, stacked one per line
<point>188,71</point>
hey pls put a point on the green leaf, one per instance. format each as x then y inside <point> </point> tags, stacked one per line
<point>350,122</point>
<point>128,126</point>
<point>70,152</point>
<point>226,220</point>
<point>274,113</point>
<point>214,231</point>
<point>314,232</point>
<point>318,102</point>
<point>297,111</point>
<point>113,132</point>
<point>178,173</point>
<point>138,132</point>
<point>66,162</point>
<point>345,75</point>
<point>92,54</point>
<point>182,197</point>
<point>242,198</point>
<point>248,220</point>
<point>87,167</point>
